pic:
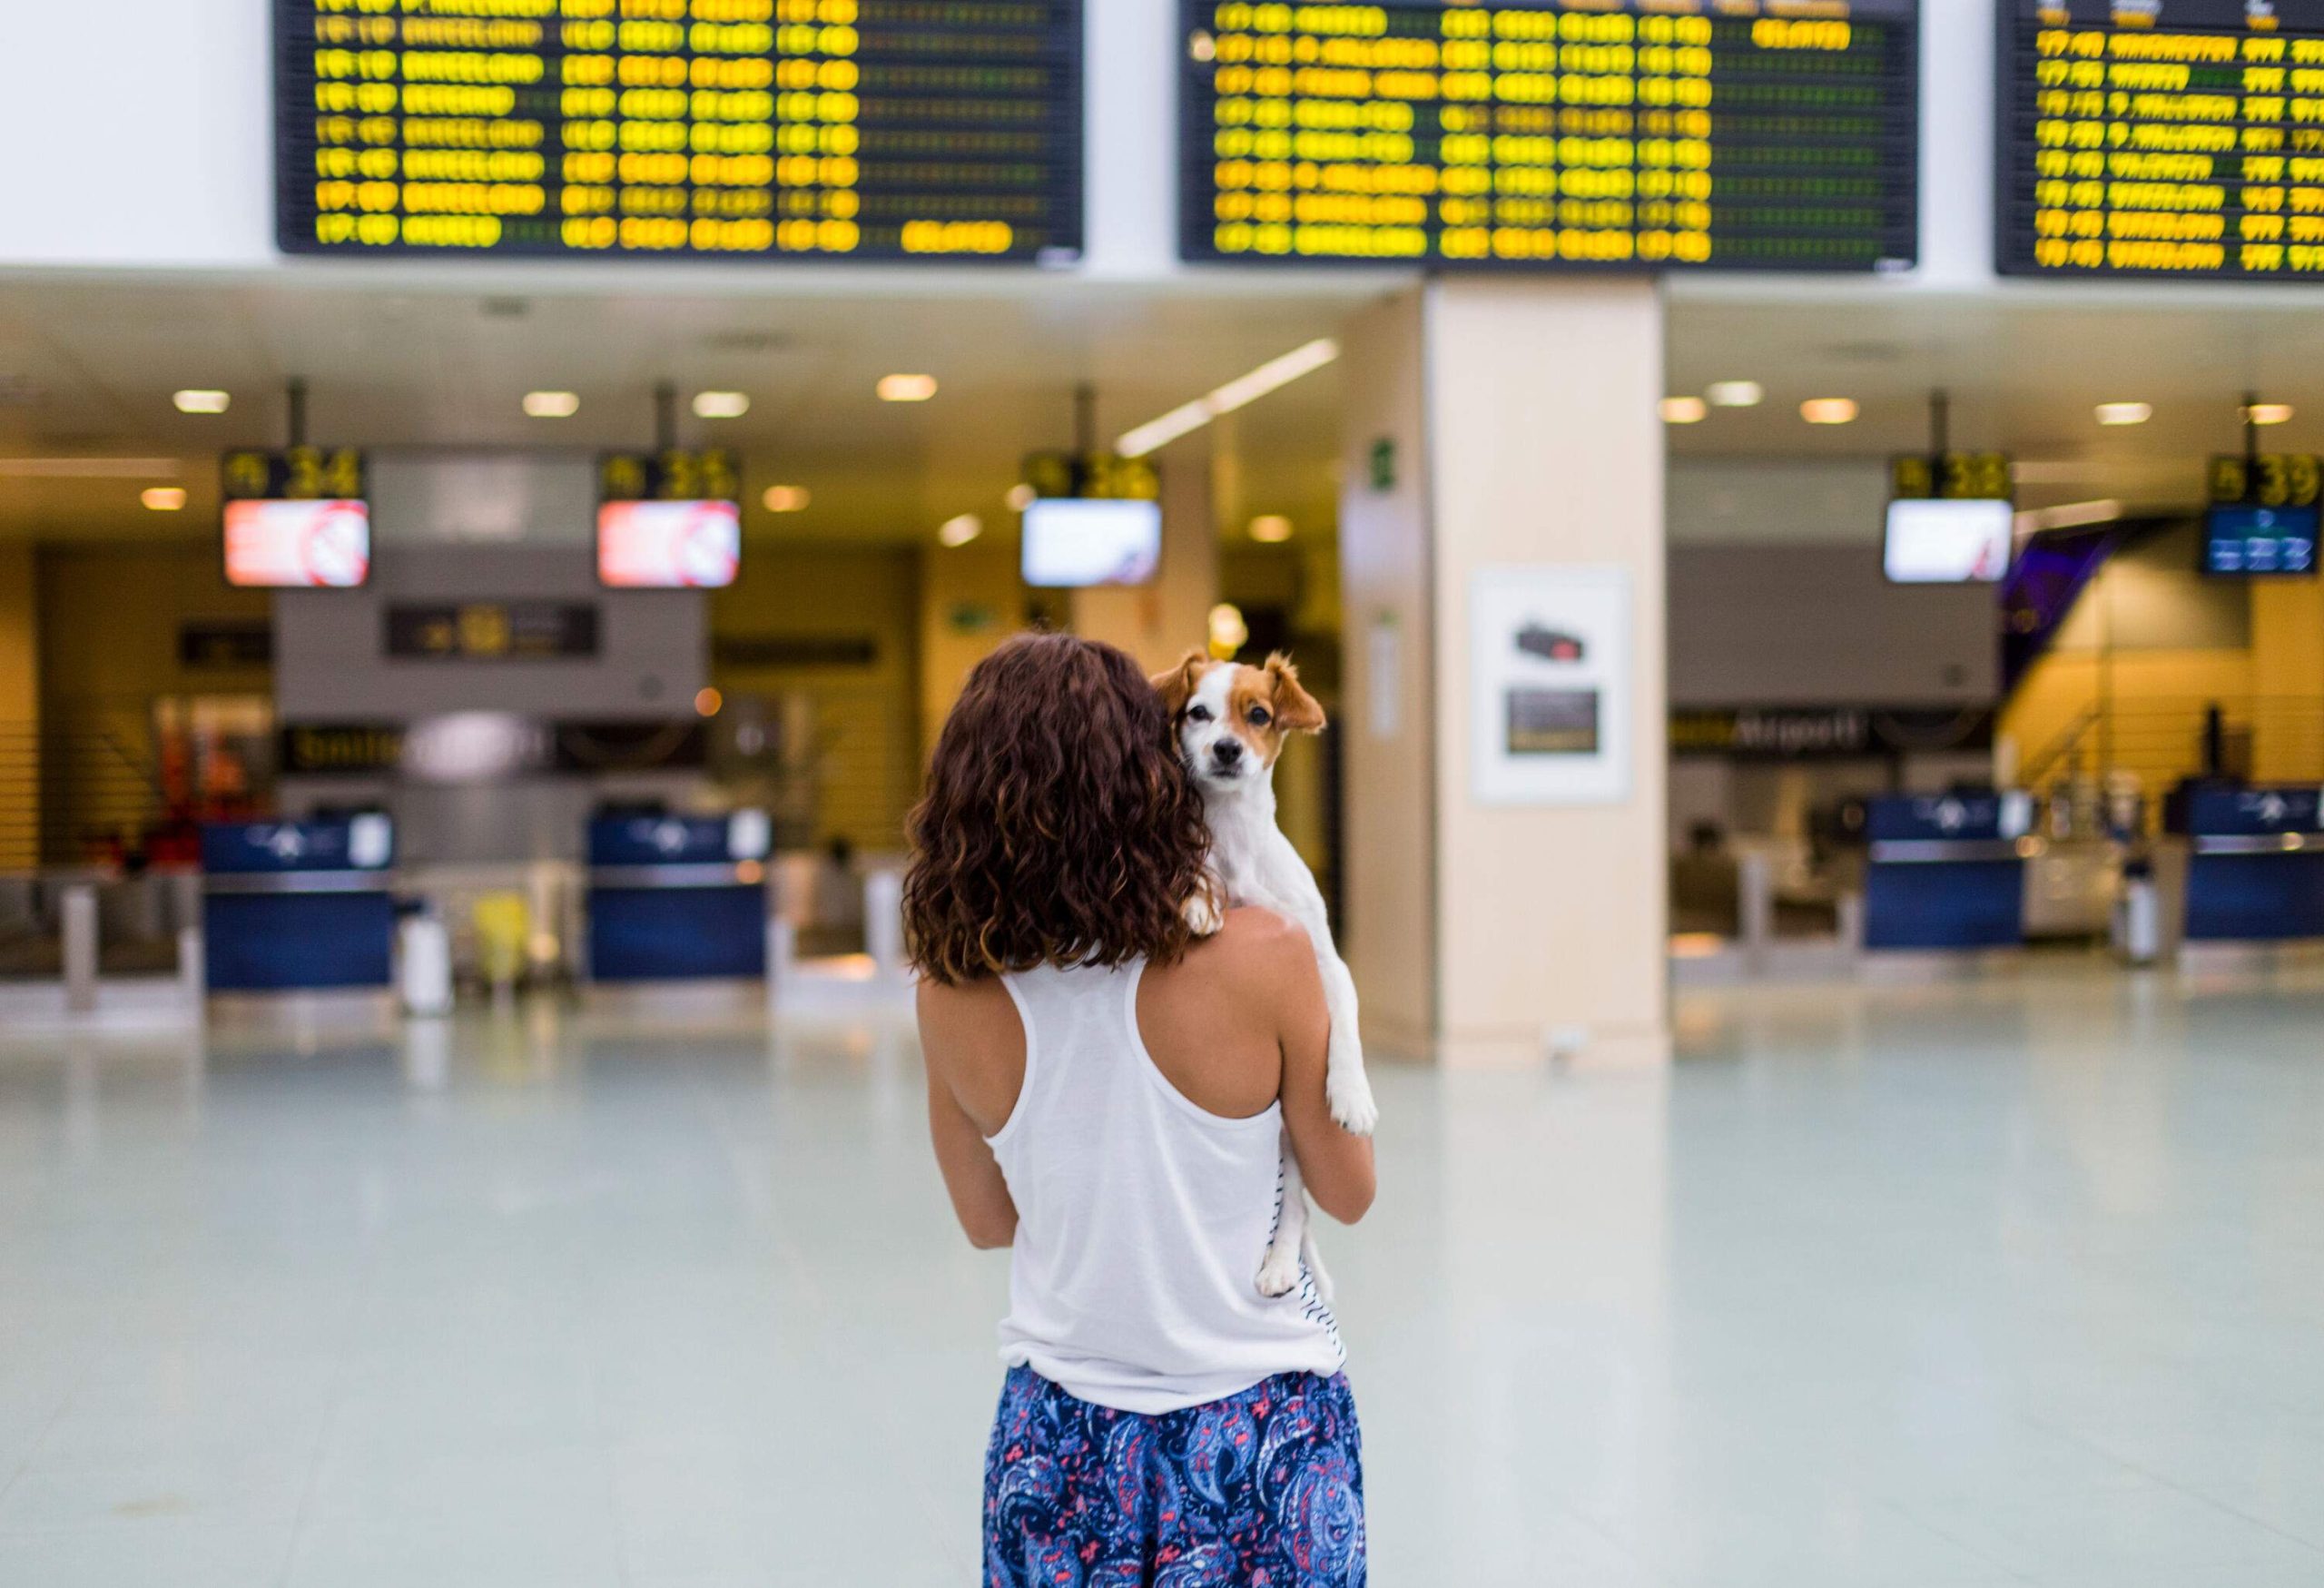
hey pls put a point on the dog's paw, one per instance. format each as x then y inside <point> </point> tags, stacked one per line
<point>1279,1275</point>
<point>1349,1093</point>
<point>1203,914</point>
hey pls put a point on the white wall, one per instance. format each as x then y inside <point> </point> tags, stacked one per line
<point>138,133</point>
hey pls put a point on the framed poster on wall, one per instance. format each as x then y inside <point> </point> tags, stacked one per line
<point>1550,680</point>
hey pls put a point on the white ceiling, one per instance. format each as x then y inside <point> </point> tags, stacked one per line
<point>87,364</point>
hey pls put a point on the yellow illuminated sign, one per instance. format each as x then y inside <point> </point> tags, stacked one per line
<point>729,128</point>
<point>2184,139</point>
<point>1575,132</point>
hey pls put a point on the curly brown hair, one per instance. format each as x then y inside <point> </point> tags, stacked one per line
<point>1058,827</point>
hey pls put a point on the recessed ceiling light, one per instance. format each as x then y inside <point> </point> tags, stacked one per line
<point>1735,393</point>
<point>1829,411</point>
<point>163,498</point>
<point>1020,496</point>
<point>552,405</point>
<point>907,387</point>
<point>785,499</point>
<point>2125,413</point>
<point>1684,411</point>
<point>2269,413</point>
<point>1271,528</point>
<point>721,405</point>
<point>202,401</point>
<point>960,530</point>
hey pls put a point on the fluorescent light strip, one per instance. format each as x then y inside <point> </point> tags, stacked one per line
<point>88,468</point>
<point>2068,516</point>
<point>1239,393</point>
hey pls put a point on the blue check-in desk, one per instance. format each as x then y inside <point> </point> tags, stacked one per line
<point>1946,871</point>
<point>678,898</point>
<point>2247,865</point>
<point>297,906</point>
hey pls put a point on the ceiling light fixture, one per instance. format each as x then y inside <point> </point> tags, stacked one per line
<point>1271,528</point>
<point>1829,411</point>
<point>1684,411</point>
<point>721,405</point>
<point>907,387</point>
<point>2125,413</point>
<point>552,405</point>
<point>2269,413</point>
<point>199,400</point>
<point>2068,516</point>
<point>1735,393</point>
<point>1020,496</point>
<point>1240,392</point>
<point>163,498</point>
<point>787,499</point>
<point>958,531</point>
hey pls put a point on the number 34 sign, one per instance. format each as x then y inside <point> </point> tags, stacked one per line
<point>297,474</point>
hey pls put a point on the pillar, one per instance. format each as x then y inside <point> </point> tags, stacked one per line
<point>19,710</point>
<point>971,599</point>
<point>1507,894</point>
<point>1159,621</point>
<point>2287,681</point>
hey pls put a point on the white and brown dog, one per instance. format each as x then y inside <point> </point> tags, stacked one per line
<point>1232,721</point>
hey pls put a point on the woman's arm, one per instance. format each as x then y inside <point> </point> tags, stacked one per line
<point>1336,1165</point>
<point>951,1025</point>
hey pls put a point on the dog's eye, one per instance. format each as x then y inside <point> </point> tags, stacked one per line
<point>1258,715</point>
<point>1198,714</point>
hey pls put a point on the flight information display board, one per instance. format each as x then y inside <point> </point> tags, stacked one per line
<point>2161,138</point>
<point>727,129</point>
<point>1736,134</point>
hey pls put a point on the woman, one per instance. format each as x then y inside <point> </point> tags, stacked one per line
<point>1109,1098</point>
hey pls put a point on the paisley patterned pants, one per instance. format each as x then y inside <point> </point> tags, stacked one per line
<point>1262,1490</point>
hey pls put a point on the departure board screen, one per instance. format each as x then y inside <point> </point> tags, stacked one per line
<point>2161,138</point>
<point>1735,134</point>
<point>724,129</point>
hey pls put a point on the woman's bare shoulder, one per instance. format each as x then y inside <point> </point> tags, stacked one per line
<point>967,1016</point>
<point>1264,956</point>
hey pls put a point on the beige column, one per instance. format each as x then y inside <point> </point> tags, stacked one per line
<point>1507,888</point>
<point>19,710</point>
<point>1160,622</point>
<point>971,599</point>
<point>2287,680</point>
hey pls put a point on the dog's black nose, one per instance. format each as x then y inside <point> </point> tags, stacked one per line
<point>1227,751</point>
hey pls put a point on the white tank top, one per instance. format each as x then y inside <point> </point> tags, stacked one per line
<point>1141,1218</point>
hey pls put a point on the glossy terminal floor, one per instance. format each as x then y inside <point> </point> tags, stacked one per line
<point>1914,1287</point>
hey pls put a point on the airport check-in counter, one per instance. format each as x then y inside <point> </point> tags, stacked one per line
<point>297,906</point>
<point>1946,871</point>
<point>2243,865</point>
<point>678,898</point>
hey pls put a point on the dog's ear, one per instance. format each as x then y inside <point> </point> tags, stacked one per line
<point>1295,708</point>
<point>1176,686</point>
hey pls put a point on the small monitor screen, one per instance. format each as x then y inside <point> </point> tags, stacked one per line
<point>2260,540</point>
<point>1071,542</point>
<point>669,546</point>
<point>1948,542</point>
<point>298,545</point>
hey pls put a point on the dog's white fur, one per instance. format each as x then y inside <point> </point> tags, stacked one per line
<point>1232,759</point>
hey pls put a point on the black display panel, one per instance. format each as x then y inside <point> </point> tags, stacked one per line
<point>2259,541</point>
<point>724,129</point>
<point>2169,138</point>
<point>1593,134</point>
